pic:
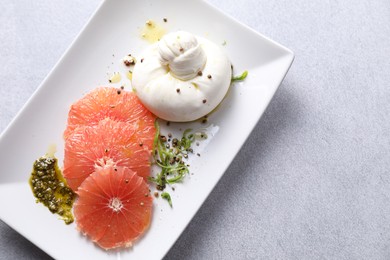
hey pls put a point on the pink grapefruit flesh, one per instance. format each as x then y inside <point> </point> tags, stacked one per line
<point>114,207</point>
<point>108,102</point>
<point>108,143</point>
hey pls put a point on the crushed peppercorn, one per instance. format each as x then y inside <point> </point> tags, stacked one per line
<point>129,60</point>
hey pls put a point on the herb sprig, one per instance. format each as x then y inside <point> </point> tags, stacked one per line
<point>170,155</point>
<point>165,195</point>
<point>240,77</point>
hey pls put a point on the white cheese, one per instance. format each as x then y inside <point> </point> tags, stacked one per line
<point>182,77</point>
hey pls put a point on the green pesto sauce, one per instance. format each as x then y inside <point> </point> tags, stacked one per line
<point>50,189</point>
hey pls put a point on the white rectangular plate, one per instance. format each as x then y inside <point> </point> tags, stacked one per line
<point>112,32</point>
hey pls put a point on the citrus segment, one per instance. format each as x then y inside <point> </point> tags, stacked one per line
<point>114,207</point>
<point>109,143</point>
<point>108,102</point>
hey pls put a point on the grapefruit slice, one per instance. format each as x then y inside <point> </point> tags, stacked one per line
<point>109,143</point>
<point>108,102</point>
<point>114,207</point>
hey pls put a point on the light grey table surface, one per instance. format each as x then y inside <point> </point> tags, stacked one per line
<point>313,179</point>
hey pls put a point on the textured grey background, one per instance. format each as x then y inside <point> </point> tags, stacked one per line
<point>312,181</point>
